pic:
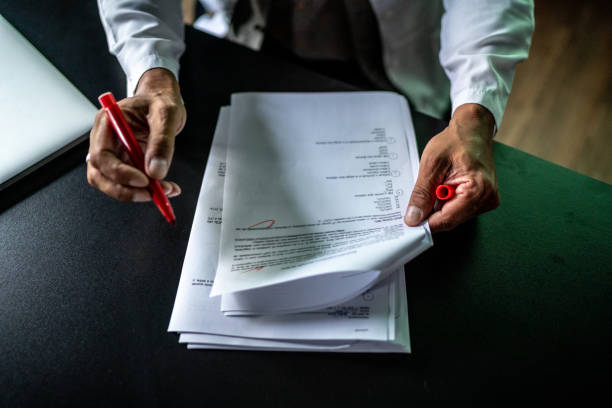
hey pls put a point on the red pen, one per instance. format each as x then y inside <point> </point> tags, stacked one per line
<point>445,192</point>
<point>125,134</point>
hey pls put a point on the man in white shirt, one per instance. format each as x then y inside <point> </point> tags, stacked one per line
<point>430,50</point>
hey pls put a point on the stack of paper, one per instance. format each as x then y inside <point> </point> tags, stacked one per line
<point>310,253</point>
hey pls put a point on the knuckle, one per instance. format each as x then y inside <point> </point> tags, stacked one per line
<point>95,158</point>
<point>172,108</point>
<point>161,147</point>
<point>122,194</point>
<point>163,143</point>
<point>432,162</point>
<point>490,196</point>
<point>100,115</point>
<point>182,121</point>
<point>445,225</point>
<point>115,168</point>
<point>420,194</point>
<point>91,178</point>
<point>166,111</point>
<point>96,129</point>
<point>472,189</point>
<point>162,113</point>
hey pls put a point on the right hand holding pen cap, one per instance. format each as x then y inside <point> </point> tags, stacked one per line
<point>460,156</point>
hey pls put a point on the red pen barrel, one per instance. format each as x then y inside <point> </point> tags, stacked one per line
<point>122,129</point>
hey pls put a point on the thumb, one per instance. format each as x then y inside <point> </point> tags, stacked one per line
<point>422,199</point>
<point>163,122</point>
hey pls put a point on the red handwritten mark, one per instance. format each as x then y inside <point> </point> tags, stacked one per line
<point>259,268</point>
<point>271,223</point>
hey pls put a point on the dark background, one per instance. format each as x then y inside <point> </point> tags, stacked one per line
<point>512,308</point>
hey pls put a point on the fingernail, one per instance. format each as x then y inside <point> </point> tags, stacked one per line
<point>173,190</point>
<point>139,182</point>
<point>158,167</point>
<point>177,191</point>
<point>141,196</point>
<point>413,215</point>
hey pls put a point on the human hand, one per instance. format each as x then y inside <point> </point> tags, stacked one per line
<point>461,155</point>
<point>156,114</point>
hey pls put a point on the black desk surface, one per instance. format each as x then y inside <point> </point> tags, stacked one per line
<point>512,307</point>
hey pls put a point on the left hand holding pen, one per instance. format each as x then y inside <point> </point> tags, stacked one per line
<point>461,155</point>
<point>156,115</point>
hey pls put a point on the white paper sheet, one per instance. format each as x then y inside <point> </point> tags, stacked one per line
<point>363,318</point>
<point>399,344</point>
<point>292,159</point>
<point>375,321</point>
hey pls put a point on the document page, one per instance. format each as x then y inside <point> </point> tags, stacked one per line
<point>316,185</point>
<point>398,339</point>
<point>366,317</point>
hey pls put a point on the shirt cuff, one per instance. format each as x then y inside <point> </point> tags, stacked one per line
<point>493,100</point>
<point>137,68</point>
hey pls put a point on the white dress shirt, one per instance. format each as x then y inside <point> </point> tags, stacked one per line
<point>435,52</point>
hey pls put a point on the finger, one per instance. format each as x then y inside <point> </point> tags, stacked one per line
<point>432,172</point>
<point>102,145</point>
<point>170,188</point>
<point>101,136</point>
<point>164,122</point>
<point>103,148</point>
<point>112,189</point>
<point>451,214</point>
<point>117,171</point>
<point>438,205</point>
<point>472,198</point>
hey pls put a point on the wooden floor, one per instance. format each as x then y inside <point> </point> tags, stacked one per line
<point>560,108</point>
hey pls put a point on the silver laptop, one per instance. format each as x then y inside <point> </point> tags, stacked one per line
<point>41,113</point>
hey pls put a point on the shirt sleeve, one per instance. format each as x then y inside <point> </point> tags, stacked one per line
<point>143,34</point>
<point>481,42</point>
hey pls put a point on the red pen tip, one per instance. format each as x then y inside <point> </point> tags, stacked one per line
<point>173,222</point>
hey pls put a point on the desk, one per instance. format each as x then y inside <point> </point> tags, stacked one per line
<point>512,307</point>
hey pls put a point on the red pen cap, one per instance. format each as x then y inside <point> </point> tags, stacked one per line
<point>107,99</point>
<point>445,192</point>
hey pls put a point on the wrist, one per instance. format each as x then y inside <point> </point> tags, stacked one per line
<point>158,81</point>
<point>476,116</point>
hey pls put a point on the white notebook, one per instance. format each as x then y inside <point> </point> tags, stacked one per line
<point>42,114</point>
